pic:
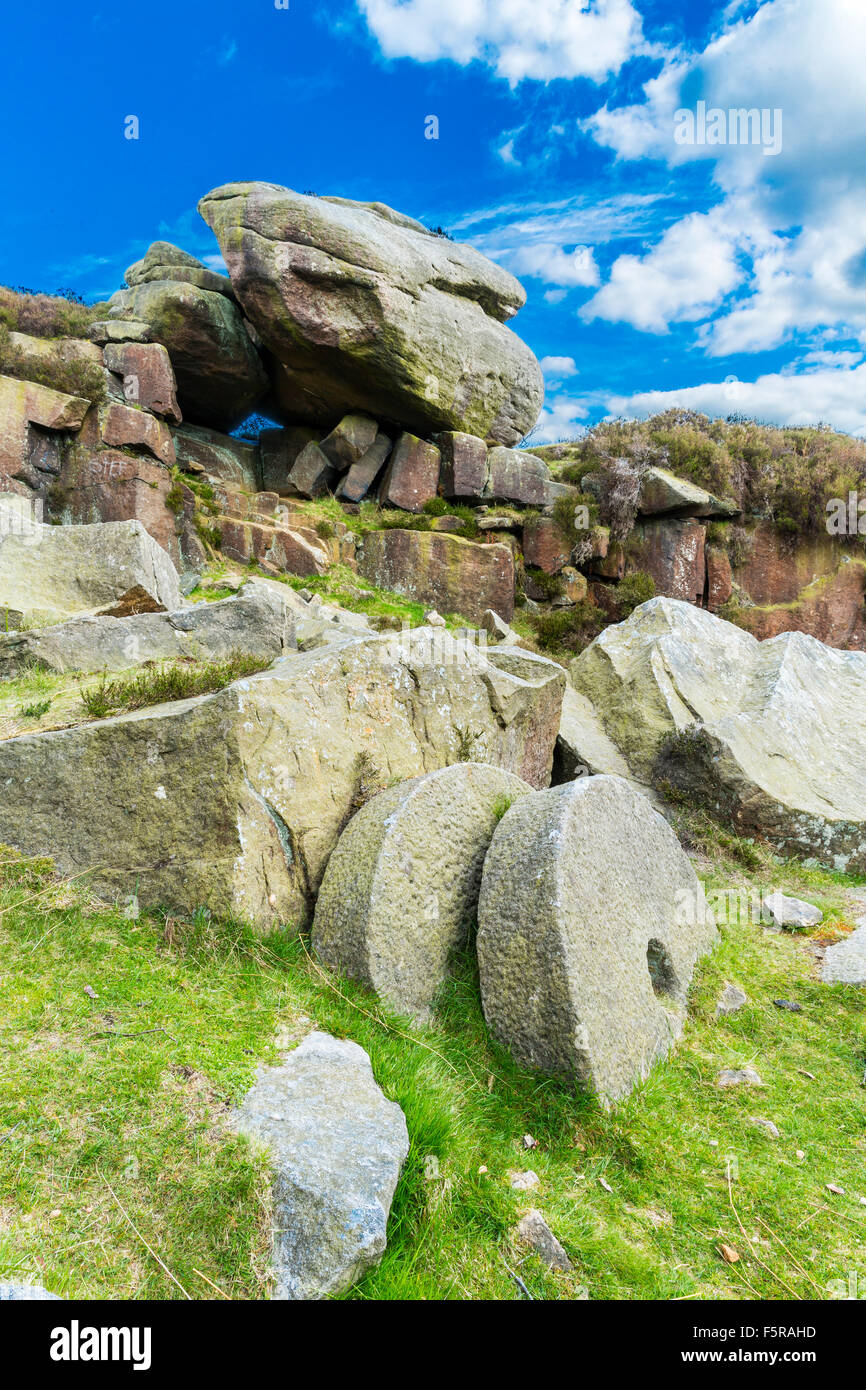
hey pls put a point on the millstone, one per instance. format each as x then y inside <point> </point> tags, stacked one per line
<point>400,891</point>
<point>590,922</point>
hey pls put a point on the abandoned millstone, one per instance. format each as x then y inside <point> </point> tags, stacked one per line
<point>533,1230</point>
<point>790,912</point>
<point>400,892</point>
<point>337,1147</point>
<point>234,801</point>
<point>259,624</point>
<point>768,736</point>
<point>586,961</point>
<point>48,573</point>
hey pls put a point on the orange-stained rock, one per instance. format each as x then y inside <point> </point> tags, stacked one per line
<point>122,425</point>
<point>545,544</point>
<point>412,476</point>
<point>148,376</point>
<point>672,552</point>
<point>719,578</point>
<point>273,547</point>
<point>446,572</point>
<point>22,405</point>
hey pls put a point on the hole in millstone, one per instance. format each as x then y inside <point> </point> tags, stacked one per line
<point>661,968</point>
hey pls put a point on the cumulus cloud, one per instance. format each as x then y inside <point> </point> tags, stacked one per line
<point>562,418</point>
<point>558,367</point>
<point>835,396</point>
<point>554,265</point>
<point>682,278</point>
<point>542,40</point>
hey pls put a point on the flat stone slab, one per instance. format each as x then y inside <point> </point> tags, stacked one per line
<point>337,1147</point>
<point>400,892</point>
<point>845,963</point>
<point>586,940</point>
<point>258,624</point>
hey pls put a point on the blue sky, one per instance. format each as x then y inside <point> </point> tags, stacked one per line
<point>715,276</point>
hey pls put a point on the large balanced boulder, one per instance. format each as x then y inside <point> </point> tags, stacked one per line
<point>48,573</point>
<point>442,571</point>
<point>400,892</point>
<point>590,922</point>
<point>769,736</point>
<point>235,800</point>
<point>365,309</point>
<point>336,1148</point>
<point>258,624</point>
<point>220,376</point>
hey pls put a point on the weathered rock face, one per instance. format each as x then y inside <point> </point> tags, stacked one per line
<point>219,373</point>
<point>546,545</point>
<point>768,735</point>
<point>586,961</point>
<point>413,474</point>
<point>400,892</point>
<point>121,426</point>
<point>451,574</point>
<point>802,584</point>
<point>236,800</point>
<point>48,573</point>
<point>337,1147</point>
<point>258,624</point>
<point>363,474</point>
<point>662,491</point>
<point>148,378</point>
<point>24,404</point>
<point>163,261</point>
<point>220,456</point>
<point>672,552</point>
<point>365,309</point>
<point>279,449</point>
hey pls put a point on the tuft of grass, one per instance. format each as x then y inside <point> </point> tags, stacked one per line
<point>165,683</point>
<point>35,710</point>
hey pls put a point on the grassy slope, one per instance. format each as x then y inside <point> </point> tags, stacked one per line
<point>97,1112</point>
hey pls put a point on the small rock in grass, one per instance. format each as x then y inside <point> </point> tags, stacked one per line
<point>789,1005</point>
<point>524,1182</point>
<point>529,1142</point>
<point>767,1125</point>
<point>731,999</point>
<point>780,911</point>
<point>745,1076</point>
<point>434,619</point>
<point>28,1292</point>
<point>534,1231</point>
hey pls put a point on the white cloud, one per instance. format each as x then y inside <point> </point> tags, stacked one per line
<point>558,367</point>
<point>561,418</point>
<point>682,278</point>
<point>554,265</point>
<point>507,155</point>
<point>543,39</point>
<point>835,396</point>
<point>795,224</point>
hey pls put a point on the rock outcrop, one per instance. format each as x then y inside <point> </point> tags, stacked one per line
<point>336,1147</point>
<point>447,572</point>
<point>365,309</point>
<point>770,736</point>
<point>400,893</point>
<point>586,961</point>
<point>235,800</point>
<point>48,573</point>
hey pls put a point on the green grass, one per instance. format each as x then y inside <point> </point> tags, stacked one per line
<point>169,681</point>
<point>128,1094</point>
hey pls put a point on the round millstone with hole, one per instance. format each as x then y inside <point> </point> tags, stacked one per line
<point>400,892</point>
<point>590,921</point>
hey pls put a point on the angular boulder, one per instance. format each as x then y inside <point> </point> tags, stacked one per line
<point>671,551</point>
<point>23,404</point>
<point>586,961</point>
<point>235,800</point>
<point>464,464</point>
<point>662,491</point>
<point>257,624</point>
<point>400,893</point>
<point>220,376</point>
<point>336,1149</point>
<point>365,309</point>
<point>148,378</point>
<point>163,261</point>
<point>279,449</point>
<point>363,474</point>
<point>768,736</point>
<point>349,440</point>
<point>413,474</point>
<point>450,574</point>
<point>48,573</point>
<point>221,457</point>
<point>122,425</point>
